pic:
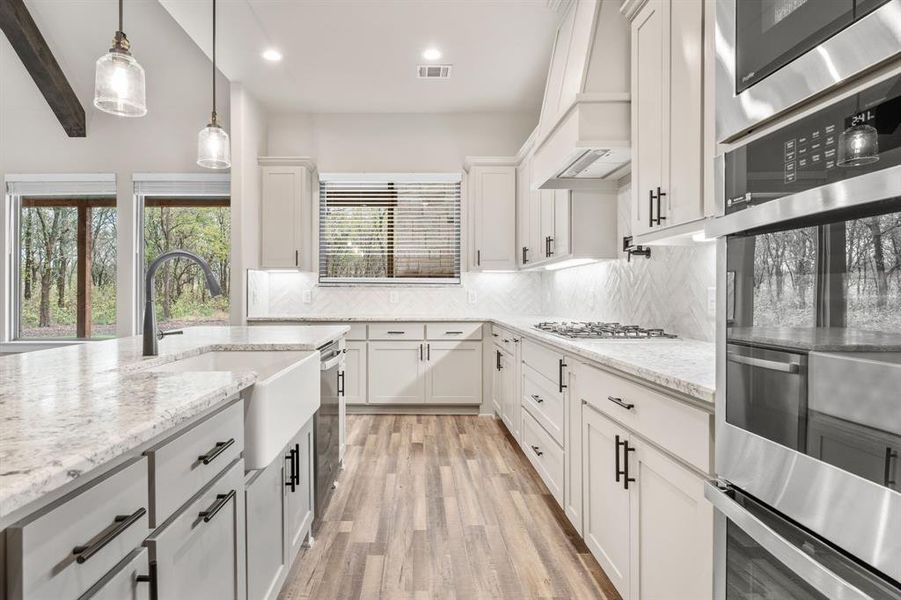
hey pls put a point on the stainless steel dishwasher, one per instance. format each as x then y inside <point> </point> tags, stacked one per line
<point>327,425</point>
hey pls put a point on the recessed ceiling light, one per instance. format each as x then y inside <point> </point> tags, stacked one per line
<point>431,54</point>
<point>272,55</point>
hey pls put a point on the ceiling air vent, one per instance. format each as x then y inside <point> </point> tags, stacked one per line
<point>434,71</point>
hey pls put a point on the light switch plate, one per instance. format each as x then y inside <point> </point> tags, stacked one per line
<point>392,297</point>
<point>307,296</point>
<point>711,301</point>
<point>473,298</point>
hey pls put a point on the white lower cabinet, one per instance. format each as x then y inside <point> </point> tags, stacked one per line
<point>645,518</point>
<point>130,580</point>
<point>397,372</point>
<point>200,552</point>
<point>506,400</point>
<point>606,501</point>
<point>299,497</point>
<point>355,372</point>
<point>265,493</point>
<point>430,372</point>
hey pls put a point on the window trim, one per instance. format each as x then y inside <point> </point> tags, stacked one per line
<point>392,177</point>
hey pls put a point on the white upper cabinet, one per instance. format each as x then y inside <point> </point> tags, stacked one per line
<point>667,113</point>
<point>288,188</point>
<point>492,200</point>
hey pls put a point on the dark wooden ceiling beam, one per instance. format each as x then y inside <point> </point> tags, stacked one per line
<point>26,39</point>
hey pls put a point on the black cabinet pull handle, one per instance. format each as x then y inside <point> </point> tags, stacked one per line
<point>619,401</point>
<point>537,398</point>
<point>498,364</point>
<point>120,524</point>
<point>550,246</point>
<point>660,217</point>
<point>453,333</point>
<point>626,449</point>
<point>150,578</point>
<point>889,455</point>
<point>215,507</point>
<point>341,383</point>
<point>616,452</point>
<point>525,254</point>
<point>292,477</point>
<point>420,352</point>
<point>297,460</point>
<point>562,366</point>
<point>297,258</point>
<point>478,257</point>
<point>396,332</point>
<point>428,352</point>
<point>650,208</point>
<point>218,449</point>
<point>537,450</point>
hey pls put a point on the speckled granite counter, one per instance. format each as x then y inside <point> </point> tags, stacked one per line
<point>68,410</point>
<point>682,365</point>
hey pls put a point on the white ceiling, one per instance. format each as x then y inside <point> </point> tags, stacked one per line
<point>361,55</point>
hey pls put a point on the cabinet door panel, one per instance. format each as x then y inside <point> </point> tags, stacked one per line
<point>204,559</point>
<point>606,503</point>
<point>299,502</point>
<point>397,372</point>
<point>524,248</point>
<point>280,217</point>
<point>672,529</point>
<point>495,208</point>
<point>265,508</point>
<point>455,372</point>
<point>650,79</point>
<point>562,225</point>
<point>548,224</point>
<point>685,142</point>
<point>536,239</point>
<point>355,373</point>
<point>122,582</point>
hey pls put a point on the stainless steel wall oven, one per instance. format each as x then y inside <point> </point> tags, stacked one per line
<point>808,414</point>
<point>772,55</point>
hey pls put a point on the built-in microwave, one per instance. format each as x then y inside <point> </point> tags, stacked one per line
<point>772,55</point>
<point>808,404</point>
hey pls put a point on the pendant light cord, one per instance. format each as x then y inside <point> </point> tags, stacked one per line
<point>214,61</point>
<point>120,15</point>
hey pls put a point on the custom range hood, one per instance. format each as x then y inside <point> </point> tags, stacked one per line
<point>584,130</point>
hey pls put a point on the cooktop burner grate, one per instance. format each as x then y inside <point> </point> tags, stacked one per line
<point>597,330</point>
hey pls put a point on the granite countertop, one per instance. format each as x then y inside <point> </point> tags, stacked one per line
<point>820,339</point>
<point>682,365</point>
<point>68,410</point>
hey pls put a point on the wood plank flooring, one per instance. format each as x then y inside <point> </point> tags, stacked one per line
<point>442,507</point>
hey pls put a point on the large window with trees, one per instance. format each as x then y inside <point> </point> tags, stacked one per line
<point>65,272</point>
<point>187,214</point>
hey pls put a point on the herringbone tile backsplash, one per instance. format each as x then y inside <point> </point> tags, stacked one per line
<point>668,290</point>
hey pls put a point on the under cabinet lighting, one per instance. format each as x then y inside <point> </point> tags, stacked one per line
<point>573,262</point>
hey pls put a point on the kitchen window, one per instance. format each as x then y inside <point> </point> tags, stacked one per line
<point>186,212</point>
<point>64,267</point>
<point>389,229</point>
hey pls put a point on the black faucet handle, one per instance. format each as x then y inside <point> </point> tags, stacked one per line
<point>161,334</point>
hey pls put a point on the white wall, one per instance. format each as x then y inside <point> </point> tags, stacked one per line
<point>178,81</point>
<point>397,142</point>
<point>249,135</point>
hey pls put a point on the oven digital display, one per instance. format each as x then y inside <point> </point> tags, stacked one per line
<point>807,153</point>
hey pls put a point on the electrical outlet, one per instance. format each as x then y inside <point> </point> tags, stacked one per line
<point>307,296</point>
<point>473,298</point>
<point>392,297</point>
<point>711,301</point>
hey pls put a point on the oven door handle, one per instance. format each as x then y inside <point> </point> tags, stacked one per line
<point>800,563</point>
<point>771,365</point>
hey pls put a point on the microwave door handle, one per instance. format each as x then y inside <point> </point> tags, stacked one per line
<point>799,562</point>
<point>771,365</point>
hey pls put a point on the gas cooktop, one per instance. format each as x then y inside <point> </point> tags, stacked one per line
<point>596,330</point>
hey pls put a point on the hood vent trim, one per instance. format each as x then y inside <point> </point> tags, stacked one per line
<point>434,71</point>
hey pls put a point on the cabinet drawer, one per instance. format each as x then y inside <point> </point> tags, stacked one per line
<point>683,430</point>
<point>177,466</point>
<point>122,582</point>
<point>543,400</point>
<point>546,361</point>
<point>105,520</point>
<point>396,331</point>
<point>544,454</point>
<point>504,338</point>
<point>200,552</point>
<point>453,331</point>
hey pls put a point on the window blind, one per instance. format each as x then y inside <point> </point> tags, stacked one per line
<point>380,231</point>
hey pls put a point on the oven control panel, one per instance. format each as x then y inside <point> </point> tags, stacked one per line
<point>857,135</point>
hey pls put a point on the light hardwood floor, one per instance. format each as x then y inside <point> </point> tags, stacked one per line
<point>442,507</point>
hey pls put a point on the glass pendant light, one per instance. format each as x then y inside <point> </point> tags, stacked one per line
<point>858,145</point>
<point>119,79</point>
<point>213,151</point>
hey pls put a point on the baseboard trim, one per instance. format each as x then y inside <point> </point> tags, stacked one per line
<point>412,409</point>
